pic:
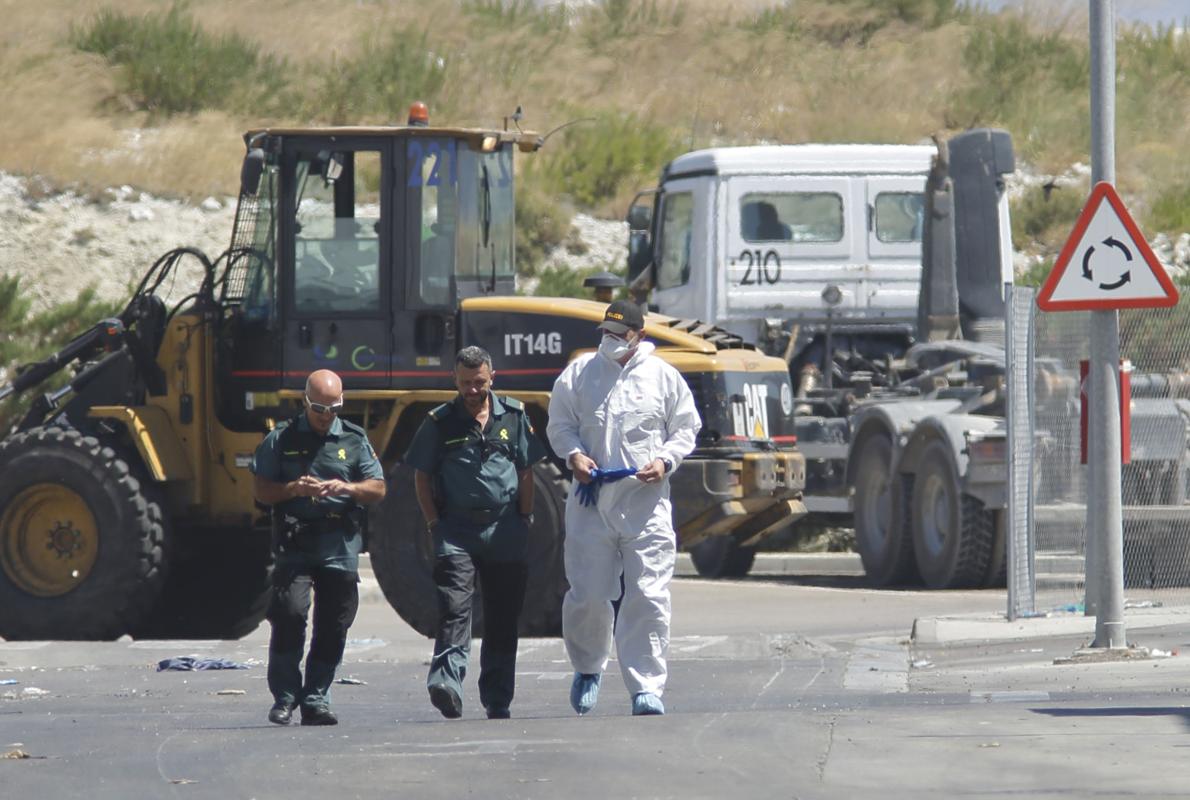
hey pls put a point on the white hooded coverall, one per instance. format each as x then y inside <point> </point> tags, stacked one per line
<point>621,417</point>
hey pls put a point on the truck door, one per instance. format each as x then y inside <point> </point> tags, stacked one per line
<point>788,237</point>
<point>896,215</point>
<point>337,299</point>
<point>682,250</point>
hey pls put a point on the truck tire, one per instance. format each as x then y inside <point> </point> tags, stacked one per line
<point>81,547</point>
<point>403,557</point>
<point>997,574</point>
<point>881,535</point>
<point>722,557</point>
<point>217,587</point>
<point>952,535</point>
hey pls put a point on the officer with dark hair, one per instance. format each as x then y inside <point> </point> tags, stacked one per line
<point>317,471</point>
<point>474,460</point>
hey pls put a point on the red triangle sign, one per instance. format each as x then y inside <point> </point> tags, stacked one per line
<point>1106,263</point>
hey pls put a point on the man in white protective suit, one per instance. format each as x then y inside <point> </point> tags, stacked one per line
<point>612,412</point>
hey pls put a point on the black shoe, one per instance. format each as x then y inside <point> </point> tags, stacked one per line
<point>318,715</point>
<point>499,713</point>
<point>446,700</point>
<point>280,713</point>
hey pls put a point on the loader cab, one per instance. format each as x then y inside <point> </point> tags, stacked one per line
<point>355,248</point>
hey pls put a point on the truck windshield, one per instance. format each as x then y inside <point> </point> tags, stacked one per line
<point>791,217</point>
<point>466,207</point>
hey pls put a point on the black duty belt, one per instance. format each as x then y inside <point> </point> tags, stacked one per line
<point>477,516</point>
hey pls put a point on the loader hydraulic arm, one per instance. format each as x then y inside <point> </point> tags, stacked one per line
<point>105,335</point>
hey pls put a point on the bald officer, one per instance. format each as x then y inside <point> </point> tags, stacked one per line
<point>317,471</point>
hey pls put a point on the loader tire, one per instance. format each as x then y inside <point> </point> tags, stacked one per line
<point>882,533</point>
<point>722,557</point>
<point>403,557</point>
<point>953,535</point>
<point>82,549</point>
<point>218,585</point>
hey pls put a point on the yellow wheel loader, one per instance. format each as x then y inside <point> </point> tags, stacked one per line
<point>126,498</point>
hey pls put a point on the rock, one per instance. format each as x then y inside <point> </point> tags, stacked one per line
<point>210,204</point>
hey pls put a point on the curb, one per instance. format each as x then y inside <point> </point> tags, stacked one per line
<point>996,627</point>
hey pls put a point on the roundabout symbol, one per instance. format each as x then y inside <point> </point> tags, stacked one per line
<point>1110,241</point>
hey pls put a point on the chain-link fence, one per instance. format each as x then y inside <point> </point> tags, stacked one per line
<point>1047,510</point>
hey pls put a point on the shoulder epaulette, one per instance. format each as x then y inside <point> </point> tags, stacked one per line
<point>513,403</point>
<point>439,413</point>
<point>351,426</point>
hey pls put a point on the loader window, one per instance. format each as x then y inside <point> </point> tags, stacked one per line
<point>466,202</point>
<point>791,216</point>
<point>677,221</point>
<point>337,236</point>
<point>899,216</point>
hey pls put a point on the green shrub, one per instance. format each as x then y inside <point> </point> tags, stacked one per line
<point>1171,210</point>
<point>601,159</point>
<point>512,14</point>
<point>542,223</point>
<point>560,281</point>
<point>171,65</point>
<point>1046,215</point>
<point>608,20</point>
<point>1028,82</point>
<point>854,21</point>
<point>380,81</point>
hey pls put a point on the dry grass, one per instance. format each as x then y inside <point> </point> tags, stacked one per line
<point>698,68</point>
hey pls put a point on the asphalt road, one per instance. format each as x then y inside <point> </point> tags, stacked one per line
<point>784,685</point>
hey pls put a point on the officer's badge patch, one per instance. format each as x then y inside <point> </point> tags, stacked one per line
<point>342,454</point>
<point>504,434</point>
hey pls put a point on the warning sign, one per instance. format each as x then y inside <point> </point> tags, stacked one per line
<point>1106,263</point>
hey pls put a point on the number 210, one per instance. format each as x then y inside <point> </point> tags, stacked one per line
<point>767,266</point>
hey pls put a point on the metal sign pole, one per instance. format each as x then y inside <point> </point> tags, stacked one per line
<point>1105,519</point>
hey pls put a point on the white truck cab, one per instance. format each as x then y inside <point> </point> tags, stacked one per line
<point>776,242</point>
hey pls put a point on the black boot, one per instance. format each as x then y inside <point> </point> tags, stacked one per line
<point>318,715</point>
<point>281,713</point>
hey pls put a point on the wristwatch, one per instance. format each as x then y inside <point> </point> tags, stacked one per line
<point>669,465</point>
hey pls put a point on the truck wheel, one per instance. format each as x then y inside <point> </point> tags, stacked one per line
<point>997,574</point>
<point>881,535</point>
<point>81,547</point>
<point>403,557</point>
<point>217,586</point>
<point>722,557</point>
<point>951,541</point>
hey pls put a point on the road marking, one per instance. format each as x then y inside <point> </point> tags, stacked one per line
<point>691,644</point>
<point>1010,697</point>
<point>878,665</point>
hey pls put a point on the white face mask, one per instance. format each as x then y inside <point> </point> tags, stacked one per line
<point>614,348</point>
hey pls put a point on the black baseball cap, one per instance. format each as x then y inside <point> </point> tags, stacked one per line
<point>621,316</point>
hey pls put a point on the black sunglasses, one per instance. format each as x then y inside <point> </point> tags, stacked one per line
<point>323,408</point>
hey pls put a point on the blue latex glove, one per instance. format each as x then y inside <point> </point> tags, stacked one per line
<point>588,493</point>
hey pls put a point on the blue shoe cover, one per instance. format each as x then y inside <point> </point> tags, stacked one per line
<point>584,692</point>
<point>646,704</point>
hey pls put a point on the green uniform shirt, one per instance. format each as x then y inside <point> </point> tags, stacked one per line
<point>473,468</point>
<point>343,453</point>
<point>477,469</point>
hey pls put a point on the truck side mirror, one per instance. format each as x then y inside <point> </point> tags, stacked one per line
<point>251,170</point>
<point>640,218</point>
<point>640,253</point>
